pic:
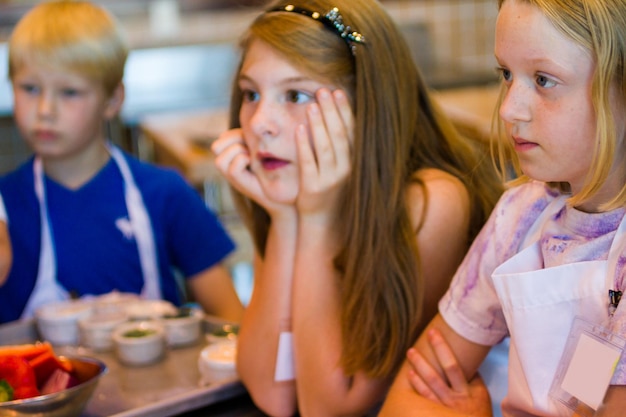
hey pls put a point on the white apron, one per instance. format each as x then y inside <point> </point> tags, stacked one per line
<point>47,289</point>
<point>539,306</point>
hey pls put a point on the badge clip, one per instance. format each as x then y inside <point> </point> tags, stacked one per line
<point>614,298</point>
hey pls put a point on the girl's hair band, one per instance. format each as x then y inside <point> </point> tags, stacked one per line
<point>331,20</point>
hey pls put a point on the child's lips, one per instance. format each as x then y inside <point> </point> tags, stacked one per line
<point>522,144</point>
<point>44,134</point>
<point>271,163</point>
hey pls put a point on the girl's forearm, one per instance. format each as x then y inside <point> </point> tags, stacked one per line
<point>266,316</point>
<point>323,387</point>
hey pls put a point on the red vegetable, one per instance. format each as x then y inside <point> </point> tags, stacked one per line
<point>45,364</point>
<point>18,373</point>
<point>27,351</point>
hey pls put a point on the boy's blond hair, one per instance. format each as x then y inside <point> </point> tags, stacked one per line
<point>75,35</point>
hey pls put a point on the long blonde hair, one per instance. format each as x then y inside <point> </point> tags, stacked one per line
<point>398,131</point>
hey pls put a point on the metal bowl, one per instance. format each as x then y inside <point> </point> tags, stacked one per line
<point>66,403</point>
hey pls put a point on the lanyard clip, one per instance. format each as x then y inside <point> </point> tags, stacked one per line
<point>614,298</point>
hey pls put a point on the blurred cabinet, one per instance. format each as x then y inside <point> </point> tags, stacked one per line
<point>181,140</point>
<point>471,109</point>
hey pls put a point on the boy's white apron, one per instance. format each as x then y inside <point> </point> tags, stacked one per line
<point>47,289</point>
<point>539,306</point>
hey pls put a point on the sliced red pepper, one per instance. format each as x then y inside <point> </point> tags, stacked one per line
<point>18,373</point>
<point>28,351</point>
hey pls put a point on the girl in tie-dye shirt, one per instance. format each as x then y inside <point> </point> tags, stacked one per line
<point>553,246</point>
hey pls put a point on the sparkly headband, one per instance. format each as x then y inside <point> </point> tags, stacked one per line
<point>331,20</point>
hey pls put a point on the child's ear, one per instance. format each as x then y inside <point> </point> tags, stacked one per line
<point>114,103</point>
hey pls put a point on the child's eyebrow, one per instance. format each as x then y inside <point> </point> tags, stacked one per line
<point>288,80</point>
<point>542,61</point>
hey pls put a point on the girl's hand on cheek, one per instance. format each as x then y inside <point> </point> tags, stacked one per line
<point>324,155</point>
<point>232,159</point>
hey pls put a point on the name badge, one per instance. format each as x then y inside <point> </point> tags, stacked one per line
<point>586,367</point>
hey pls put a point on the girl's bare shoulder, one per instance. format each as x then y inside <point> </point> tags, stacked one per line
<point>438,198</point>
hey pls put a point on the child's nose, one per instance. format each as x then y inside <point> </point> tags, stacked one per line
<point>264,121</point>
<point>46,106</point>
<point>515,104</point>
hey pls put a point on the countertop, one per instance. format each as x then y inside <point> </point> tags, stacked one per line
<point>169,387</point>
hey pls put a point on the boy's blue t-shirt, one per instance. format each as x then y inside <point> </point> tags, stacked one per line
<point>94,252</point>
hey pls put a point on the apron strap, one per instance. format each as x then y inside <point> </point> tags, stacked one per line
<point>617,256</point>
<point>47,288</point>
<point>142,228</point>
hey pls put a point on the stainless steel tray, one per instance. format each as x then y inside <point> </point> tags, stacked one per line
<point>169,387</point>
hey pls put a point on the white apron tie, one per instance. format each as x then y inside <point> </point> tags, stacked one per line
<point>539,305</point>
<point>47,289</point>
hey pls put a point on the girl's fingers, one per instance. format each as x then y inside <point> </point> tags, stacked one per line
<point>331,122</point>
<point>226,148</point>
<point>345,112</point>
<point>224,160</point>
<point>320,140</point>
<point>468,398</point>
<point>226,140</point>
<point>232,159</point>
<point>335,126</point>
<point>240,166</point>
<point>307,164</point>
<point>421,387</point>
<point>434,382</point>
<point>342,130</point>
<point>337,115</point>
<point>323,151</point>
<point>244,180</point>
<point>234,165</point>
<point>448,362</point>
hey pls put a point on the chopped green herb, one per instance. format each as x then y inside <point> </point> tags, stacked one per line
<point>139,333</point>
<point>225,330</point>
<point>182,312</point>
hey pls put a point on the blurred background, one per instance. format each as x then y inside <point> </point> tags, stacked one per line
<point>184,53</point>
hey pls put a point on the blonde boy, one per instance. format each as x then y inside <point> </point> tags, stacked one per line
<point>86,218</point>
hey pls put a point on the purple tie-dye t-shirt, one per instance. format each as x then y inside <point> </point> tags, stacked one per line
<point>471,306</point>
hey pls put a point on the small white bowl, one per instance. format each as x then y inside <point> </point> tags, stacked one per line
<point>96,330</point>
<point>149,309</point>
<point>113,302</point>
<point>183,328</point>
<point>58,322</point>
<point>217,361</point>
<point>139,342</point>
<point>223,333</point>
